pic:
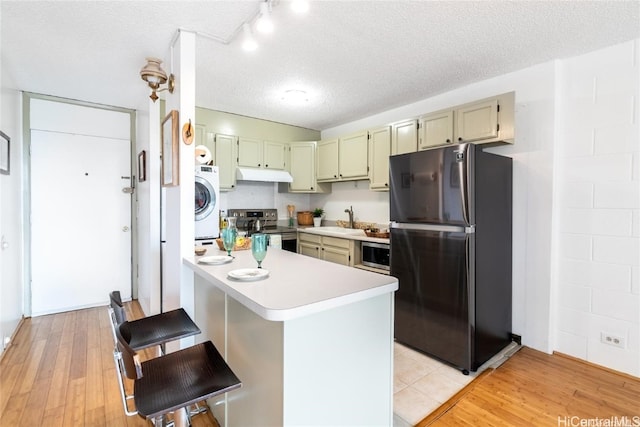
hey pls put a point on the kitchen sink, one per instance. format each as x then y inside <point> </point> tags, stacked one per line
<point>337,230</point>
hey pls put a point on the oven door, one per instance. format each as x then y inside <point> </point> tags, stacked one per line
<point>290,242</point>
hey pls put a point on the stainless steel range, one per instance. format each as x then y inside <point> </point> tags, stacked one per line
<point>265,221</point>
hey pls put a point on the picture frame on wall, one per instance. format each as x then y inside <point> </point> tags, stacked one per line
<point>142,166</point>
<point>170,160</point>
<point>5,153</point>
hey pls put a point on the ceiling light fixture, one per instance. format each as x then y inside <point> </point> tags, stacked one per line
<point>264,24</point>
<point>154,75</point>
<point>295,96</point>
<point>248,42</point>
<point>300,6</point>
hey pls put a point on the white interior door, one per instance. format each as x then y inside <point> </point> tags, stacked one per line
<point>80,220</point>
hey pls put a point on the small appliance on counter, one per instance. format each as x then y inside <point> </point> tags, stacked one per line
<point>265,221</point>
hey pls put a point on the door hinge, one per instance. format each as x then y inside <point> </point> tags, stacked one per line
<point>498,127</point>
<point>498,108</point>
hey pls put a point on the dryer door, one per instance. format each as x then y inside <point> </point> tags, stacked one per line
<point>205,198</point>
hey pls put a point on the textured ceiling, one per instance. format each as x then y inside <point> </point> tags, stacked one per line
<point>355,58</point>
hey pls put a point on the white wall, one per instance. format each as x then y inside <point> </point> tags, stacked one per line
<point>532,155</point>
<point>11,214</point>
<point>576,168</point>
<point>598,200</point>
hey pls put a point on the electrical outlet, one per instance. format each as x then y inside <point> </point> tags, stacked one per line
<point>612,340</point>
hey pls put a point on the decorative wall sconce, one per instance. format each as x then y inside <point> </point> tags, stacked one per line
<point>154,75</point>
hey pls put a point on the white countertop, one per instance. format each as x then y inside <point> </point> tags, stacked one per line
<point>343,234</point>
<point>297,285</point>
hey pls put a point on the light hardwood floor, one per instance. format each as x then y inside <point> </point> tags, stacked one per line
<point>59,371</point>
<point>537,389</point>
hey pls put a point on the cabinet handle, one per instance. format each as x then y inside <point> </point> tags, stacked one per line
<point>460,139</point>
<point>340,175</point>
<point>448,141</point>
<point>258,164</point>
<point>386,184</point>
<point>266,166</point>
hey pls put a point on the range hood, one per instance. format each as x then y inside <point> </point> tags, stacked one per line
<point>264,175</point>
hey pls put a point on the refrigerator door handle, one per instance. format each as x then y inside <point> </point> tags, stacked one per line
<point>462,160</point>
<point>433,227</point>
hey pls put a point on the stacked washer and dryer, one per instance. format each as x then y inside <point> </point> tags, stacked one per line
<point>207,208</point>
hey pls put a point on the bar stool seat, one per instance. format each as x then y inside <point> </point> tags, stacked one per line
<point>176,380</point>
<point>154,330</point>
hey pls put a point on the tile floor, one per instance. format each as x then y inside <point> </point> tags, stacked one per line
<point>422,384</point>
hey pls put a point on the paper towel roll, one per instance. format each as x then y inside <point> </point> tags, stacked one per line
<point>203,155</point>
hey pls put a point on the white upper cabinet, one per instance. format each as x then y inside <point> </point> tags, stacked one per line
<point>436,129</point>
<point>344,158</point>
<point>485,121</point>
<point>404,137</point>
<point>274,155</point>
<point>226,160</point>
<point>302,166</point>
<point>477,121</point>
<point>379,150</point>
<point>353,156</point>
<point>250,152</point>
<point>256,153</point>
<point>327,161</point>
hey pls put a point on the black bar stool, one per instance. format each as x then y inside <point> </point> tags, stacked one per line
<point>144,333</point>
<point>176,380</point>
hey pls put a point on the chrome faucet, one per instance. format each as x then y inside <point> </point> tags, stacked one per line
<point>350,212</point>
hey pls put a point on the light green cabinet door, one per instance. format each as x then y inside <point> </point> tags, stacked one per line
<point>226,159</point>
<point>380,149</point>
<point>336,255</point>
<point>353,157</point>
<point>476,122</point>
<point>250,152</point>
<point>302,166</point>
<point>274,155</point>
<point>327,162</point>
<point>404,137</point>
<point>436,129</point>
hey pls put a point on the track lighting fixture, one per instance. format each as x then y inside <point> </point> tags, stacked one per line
<point>248,42</point>
<point>264,24</point>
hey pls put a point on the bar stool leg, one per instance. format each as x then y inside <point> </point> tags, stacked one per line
<point>181,418</point>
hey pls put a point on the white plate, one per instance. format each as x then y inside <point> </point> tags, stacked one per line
<point>215,259</point>
<point>249,274</point>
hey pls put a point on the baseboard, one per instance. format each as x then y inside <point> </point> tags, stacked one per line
<point>15,332</point>
<point>595,365</point>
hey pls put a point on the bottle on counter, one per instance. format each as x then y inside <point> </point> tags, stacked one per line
<point>223,219</point>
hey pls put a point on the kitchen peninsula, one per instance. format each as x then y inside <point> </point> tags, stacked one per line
<point>312,343</point>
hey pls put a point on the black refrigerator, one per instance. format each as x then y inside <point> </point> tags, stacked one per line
<point>451,216</point>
